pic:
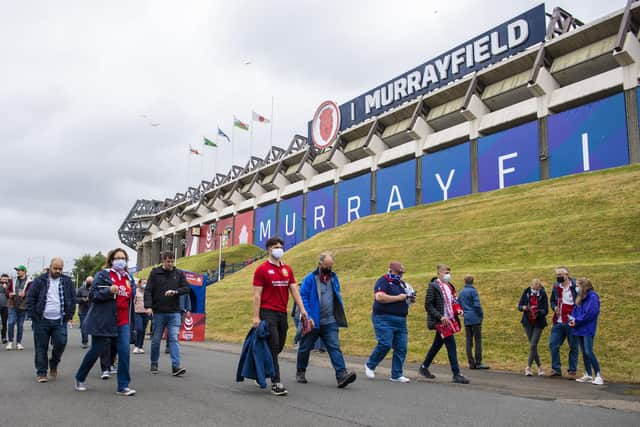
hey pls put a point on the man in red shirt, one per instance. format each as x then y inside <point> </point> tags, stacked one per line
<point>273,280</point>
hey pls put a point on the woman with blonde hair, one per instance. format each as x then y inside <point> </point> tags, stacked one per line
<point>584,321</point>
<point>534,305</point>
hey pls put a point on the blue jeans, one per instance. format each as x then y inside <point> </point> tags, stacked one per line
<point>450,343</point>
<point>45,330</point>
<point>101,344</point>
<point>85,336</point>
<point>16,317</point>
<point>559,333</point>
<point>171,321</point>
<point>391,333</point>
<point>588,356</point>
<point>142,319</point>
<point>329,335</point>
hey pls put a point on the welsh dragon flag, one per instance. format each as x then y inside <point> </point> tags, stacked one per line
<point>239,124</point>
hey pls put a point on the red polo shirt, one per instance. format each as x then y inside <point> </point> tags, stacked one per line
<point>274,281</point>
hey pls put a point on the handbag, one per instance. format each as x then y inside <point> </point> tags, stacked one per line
<point>446,331</point>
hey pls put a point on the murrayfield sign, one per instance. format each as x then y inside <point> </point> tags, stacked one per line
<point>507,39</point>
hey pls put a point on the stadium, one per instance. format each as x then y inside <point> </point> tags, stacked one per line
<point>540,96</point>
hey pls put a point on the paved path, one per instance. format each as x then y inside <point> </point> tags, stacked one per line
<point>209,396</point>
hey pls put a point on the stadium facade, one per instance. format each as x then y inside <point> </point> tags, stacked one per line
<point>540,96</point>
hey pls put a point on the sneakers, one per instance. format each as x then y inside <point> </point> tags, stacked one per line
<point>301,377</point>
<point>177,371</point>
<point>79,386</point>
<point>138,350</point>
<point>85,346</point>
<point>19,346</point>
<point>482,366</point>
<point>459,379</point>
<point>346,378</point>
<point>135,350</point>
<point>555,373</point>
<point>113,369</point>
<point>370,373</point>
<point>42,379</point>
<point>425,373</point>
<point>105,375</point>
<point>278,389</point>
<point>401,379</point>
<point>571,375</point>
<point>527,372</point>
<point>540,372</point>
<point>597,380</point>
<point>126,392</point>
<point>585,379</point>
<point>154,368</point>
<point>10,346</point>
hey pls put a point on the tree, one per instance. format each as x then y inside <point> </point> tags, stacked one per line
<point>87,265</point>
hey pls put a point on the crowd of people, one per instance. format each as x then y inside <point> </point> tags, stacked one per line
<point>115,309</point>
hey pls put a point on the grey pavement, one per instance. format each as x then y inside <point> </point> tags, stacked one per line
<point>209,396</point>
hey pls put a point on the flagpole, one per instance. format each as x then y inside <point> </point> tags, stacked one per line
<point>251,137</point>
<point>271,129</point>
<point>233,140</point>
<point>188,167</point>
<point>202,162</point>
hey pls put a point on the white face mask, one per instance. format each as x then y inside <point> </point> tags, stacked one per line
<point>277,253</point>
<point>446,278</point>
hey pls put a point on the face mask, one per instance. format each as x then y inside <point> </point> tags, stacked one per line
<point>395,276</point>
<point>277,253</point>
<point>119,264</point>
<point>325,270</point>
<point>446,278</point>
<point>560,279</point>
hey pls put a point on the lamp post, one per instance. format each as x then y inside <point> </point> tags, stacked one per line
<point>226,231</point>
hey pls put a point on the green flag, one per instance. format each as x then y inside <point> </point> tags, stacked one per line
<point>240,124</point>
<point>209,143</point>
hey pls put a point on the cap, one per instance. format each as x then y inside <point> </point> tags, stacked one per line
<point>20,267</point>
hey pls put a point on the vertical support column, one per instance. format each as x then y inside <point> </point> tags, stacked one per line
<point>139,257</point>
<point>633,132</point>
<point>335,204</point>
<point>418,181</point>
<point>473,147</point>
<point>304,217</point>
<point>156,246</point>
<point>543,146</point>
<point>373,192</point>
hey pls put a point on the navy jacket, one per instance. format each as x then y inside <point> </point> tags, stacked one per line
<point>586,315</point>
<point>310,295</point>
<point>470,302</point>
<point>37,297</point>
<point>102,317</point>
<point>256,361</point>
<point>543,308</point>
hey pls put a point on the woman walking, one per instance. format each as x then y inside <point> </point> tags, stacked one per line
<point>584,320</point>
<point>109,316</point>
<point>534,305</point>
<point>142,318</point>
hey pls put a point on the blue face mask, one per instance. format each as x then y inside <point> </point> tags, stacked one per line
<point>395,276</point>
<point>119,264</point>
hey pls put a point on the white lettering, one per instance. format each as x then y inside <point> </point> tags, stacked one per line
<point>413,82</point>
<point>265,231</point>
<point>457,58</point>
<point>481,49</point>
<point>442,64</point>
<point>445,188</point>
<point>353,111</point>
<point>286,225</point>
<point>496,49</point>
<point>399,89</point>
<point>585,152</point>
<point>386,94</point>
<point>469,49</point>
<point>429,75</point>
<point>517,32</point>
<point>501,170</point>
<point>353,209</point>
<point>394,201</point>
<point>372,101</point>
<point>318,216</point>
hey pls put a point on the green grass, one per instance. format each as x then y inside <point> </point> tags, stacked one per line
<point>588,222</point>
<point>204,262</point>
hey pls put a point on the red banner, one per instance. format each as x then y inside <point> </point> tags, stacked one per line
<point>194,279</point>
<point>243,230</point>
<point>222,226</point>
<point>192,328</point>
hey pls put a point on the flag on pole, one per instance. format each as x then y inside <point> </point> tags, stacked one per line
<point>239,124</point>
<point>222,134</point>
<point>209,143</point>
<point>259,118</point>
<point>194,151</point>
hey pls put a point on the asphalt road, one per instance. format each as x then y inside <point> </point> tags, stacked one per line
<point>209,396</point>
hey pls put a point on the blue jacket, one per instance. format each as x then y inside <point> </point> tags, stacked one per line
<point>469,299</point>
<point>310,295</point>
<point>102,317</point>
<point>256,361</point>
<point>586,315</point>
<point>37,297</point>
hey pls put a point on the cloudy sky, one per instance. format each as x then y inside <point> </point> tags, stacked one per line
<point>81,83</point>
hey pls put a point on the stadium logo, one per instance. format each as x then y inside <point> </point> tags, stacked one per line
<point>325,124</point>
<point>188,323</point>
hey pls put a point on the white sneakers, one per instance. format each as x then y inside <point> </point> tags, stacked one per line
<point>105,375</point>
<point>589,379</point>
<point>585,379</point>
<point>10,346</point>
<point>540,372</point>
<point>20,346</point>
<point>527,371</point>
<point>137,350</point>
<point>598,380</point>
<point>401,379</point>
<point>370,373</point>
<point>79,386</point>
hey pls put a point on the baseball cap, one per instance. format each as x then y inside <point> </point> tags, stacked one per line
<point>20,267</point>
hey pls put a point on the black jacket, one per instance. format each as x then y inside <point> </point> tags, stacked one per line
<point>543,308</point>
<point>434,304</point>
<point>160,281</point>
<point>37,297</point>
<point>83,292</point>
<point>102,317</point>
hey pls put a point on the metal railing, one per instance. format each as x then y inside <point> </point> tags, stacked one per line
<point>232,268</point>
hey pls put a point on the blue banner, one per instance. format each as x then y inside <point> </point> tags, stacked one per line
<point>265,224</point>
<point>319,211</point>
<point>290,221</point>
<point>446,174</point>
<point>589,137</point>
<point>396,187</point>
<point>354,199</point>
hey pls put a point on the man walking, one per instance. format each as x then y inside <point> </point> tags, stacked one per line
<point>562,301</point>
<point>162,300</point>
<point>390,308</point>
<point>473,315</point>
<point>185,310</point>
<point>320,293</point>
<point>4,301</point>
<point>51,304</point>
<point>17,292</point>
<point>273,281</point>
<point>82,296</point>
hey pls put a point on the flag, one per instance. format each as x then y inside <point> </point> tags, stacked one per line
<point>239,124</point>
<point>193,150</point>
<point>258,118</point>
<point>209,143</point>
<point>224,135</point>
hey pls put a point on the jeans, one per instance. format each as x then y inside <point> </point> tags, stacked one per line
<point>559,333</point>
<point>450,343</point>
<point>588,356</point>
<point>171,321</point>
<point>141,326</point>
<point>4,314</point>
<point>16,317</point>
<point>85,336</point>
<point>45,330</point>
<point>99,345</point>
<point>391,333</point>
<point>278,326</point>
<point>533,335</point>
<point>474,333</point>
<point>329,335</point>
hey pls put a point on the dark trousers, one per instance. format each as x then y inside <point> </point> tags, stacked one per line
<point>85,336</point>
<point>108,354</point>
<point>141,326</point>
<point>450,343</point>
<point>277,336</point>
<point>45,330</point>
<point>102,345</point>
<point>474,333</point>
<point>4,313</point>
